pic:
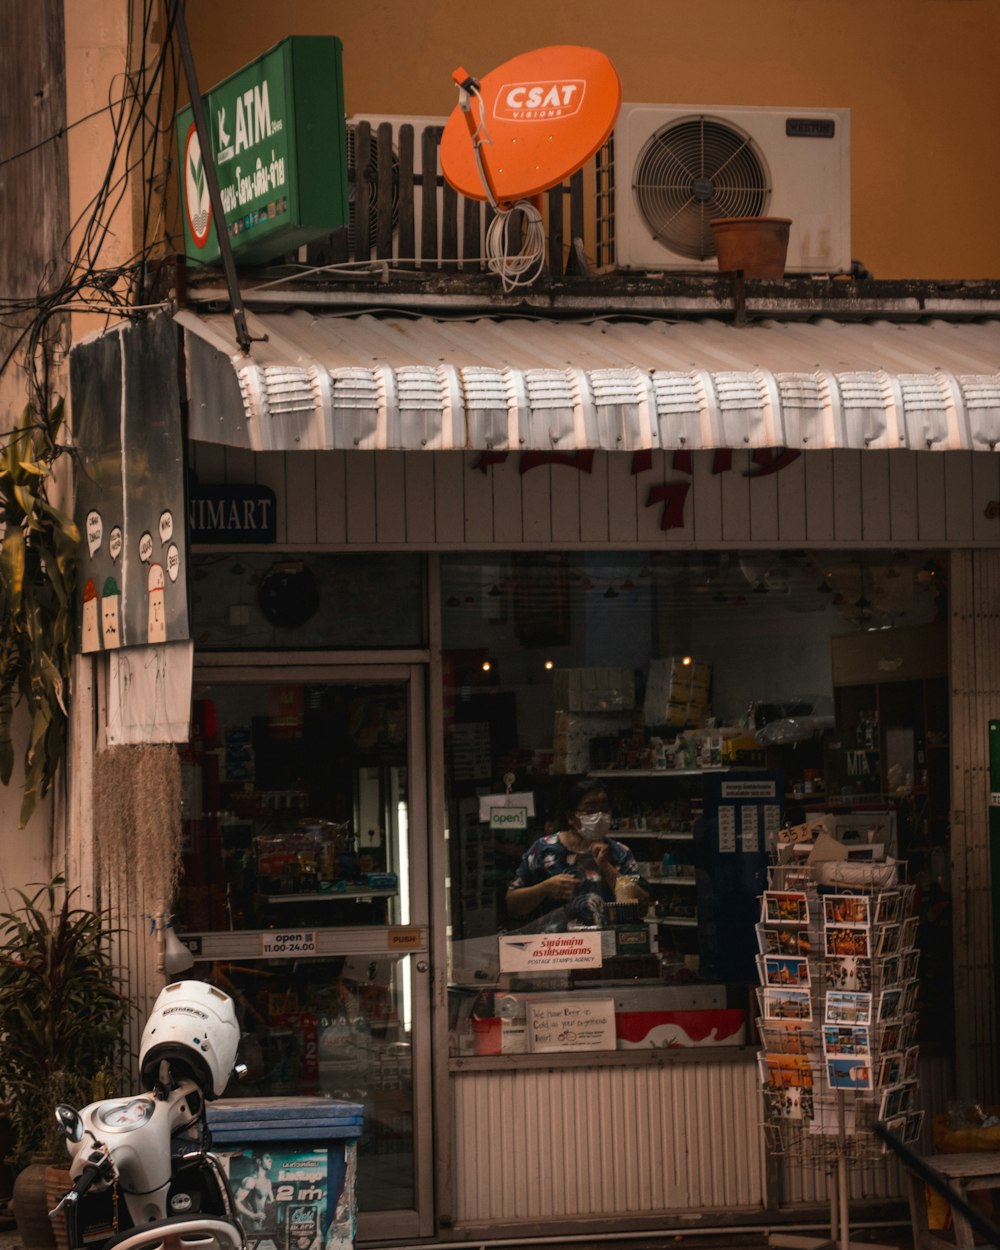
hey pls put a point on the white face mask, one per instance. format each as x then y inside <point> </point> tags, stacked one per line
<point>594,826</point>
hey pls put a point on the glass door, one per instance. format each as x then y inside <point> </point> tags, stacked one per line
<point>304,896</point>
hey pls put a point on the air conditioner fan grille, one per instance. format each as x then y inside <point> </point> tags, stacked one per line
<point>352,187</point>
<point>692,171</point>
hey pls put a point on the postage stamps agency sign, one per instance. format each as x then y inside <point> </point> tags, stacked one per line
<point>536,952</point>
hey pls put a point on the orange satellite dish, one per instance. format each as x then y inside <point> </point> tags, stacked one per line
<point>538,119</point>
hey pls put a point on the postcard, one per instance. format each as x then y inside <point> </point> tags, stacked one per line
<point>848,941</point>
<point>914,1124</point>
<point>909,931</point>
<point>911,991</point>
<point>787,1037</point>
<point>847,972</point>
<point>890,1005</point>
<point>897,1127</point>
<point>848,1007</point>
<point>781,941</point>
<point>846,909</point>
<point>887,907</point>
<point>784,907</point>
<point>827,1116</point>
<point>890,1069</point>
<point>783,970</point>
<point>851,1072</point>
<point>783,1071</point>
<point>909,963</point>
<point>846,1039</point>
<point>888,970</point>
<point>890,1037</point>
<point>898,1100</point>
<point>790,1103</point>
<point>910,1058</point>
<point>909,1099</point>
<point>787,1004</point>
<point>887,939</point>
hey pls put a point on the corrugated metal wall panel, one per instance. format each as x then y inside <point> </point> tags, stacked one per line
<point>607,1141</point>
<point>974,595</point>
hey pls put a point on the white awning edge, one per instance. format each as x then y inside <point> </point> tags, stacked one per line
<point>441,405</point>
<point>439,408</point>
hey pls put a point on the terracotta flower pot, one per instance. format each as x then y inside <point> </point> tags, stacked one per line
<point>57,1181</point>
<point>31,1208</point>
<point>757,245</point>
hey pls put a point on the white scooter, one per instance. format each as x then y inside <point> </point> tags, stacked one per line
<point>152,1149</point>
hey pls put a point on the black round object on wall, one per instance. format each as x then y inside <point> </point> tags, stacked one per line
<point>288,595</point>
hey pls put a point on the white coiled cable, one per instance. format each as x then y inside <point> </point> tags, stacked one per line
<point>522,267</point>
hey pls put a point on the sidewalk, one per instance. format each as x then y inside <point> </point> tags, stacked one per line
<point>896,1237</point>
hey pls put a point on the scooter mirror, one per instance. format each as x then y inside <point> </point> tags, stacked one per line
<point>68,1119</point>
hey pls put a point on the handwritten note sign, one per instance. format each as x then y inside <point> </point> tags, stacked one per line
<point>572,1024</point>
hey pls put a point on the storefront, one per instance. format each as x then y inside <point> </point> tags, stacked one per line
<point>508,556</point>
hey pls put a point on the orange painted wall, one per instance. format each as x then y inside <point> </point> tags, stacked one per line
<point>920,78</point>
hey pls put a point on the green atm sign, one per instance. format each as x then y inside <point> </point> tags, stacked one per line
<point>280,151</point>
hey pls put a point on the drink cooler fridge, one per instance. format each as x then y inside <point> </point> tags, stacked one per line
<point>312,1144</point>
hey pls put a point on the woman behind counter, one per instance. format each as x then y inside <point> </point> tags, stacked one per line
<point>576,868</point>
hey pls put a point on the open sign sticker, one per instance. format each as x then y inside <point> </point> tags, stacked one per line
<point>509,818</point>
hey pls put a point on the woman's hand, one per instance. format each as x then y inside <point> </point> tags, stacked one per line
<point>600,852</point>
<point>562,885</point>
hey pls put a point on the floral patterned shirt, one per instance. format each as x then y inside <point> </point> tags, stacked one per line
<point>549,856</point>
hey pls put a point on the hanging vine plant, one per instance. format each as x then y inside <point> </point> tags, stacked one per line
<point>37,571</point>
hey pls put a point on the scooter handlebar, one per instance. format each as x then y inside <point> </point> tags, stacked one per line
<point>91,1173</point>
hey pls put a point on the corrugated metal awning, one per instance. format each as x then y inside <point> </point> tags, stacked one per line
<point>319,381</point>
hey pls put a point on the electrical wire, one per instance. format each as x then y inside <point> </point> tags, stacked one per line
<point>138,128</point>
<point>514,269</point>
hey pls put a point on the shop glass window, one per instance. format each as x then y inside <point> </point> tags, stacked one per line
<point>337,1028</point>
<point>256,601</point>
<point>295,807</point>
<point>711,700</point>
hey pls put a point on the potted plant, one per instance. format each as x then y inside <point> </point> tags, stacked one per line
<point>757,246</point>
<point>64,1014</point>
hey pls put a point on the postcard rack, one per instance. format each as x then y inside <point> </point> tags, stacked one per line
<point>837,964</point>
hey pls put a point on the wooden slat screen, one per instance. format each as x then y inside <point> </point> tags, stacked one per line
<point>416,220</point>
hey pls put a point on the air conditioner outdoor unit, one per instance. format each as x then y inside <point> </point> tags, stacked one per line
<point>676,167</point>
<point>419,124</point>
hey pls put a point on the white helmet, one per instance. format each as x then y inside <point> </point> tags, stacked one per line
<point>193,1026</point>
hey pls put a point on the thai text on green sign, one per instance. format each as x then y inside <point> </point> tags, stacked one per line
<point>278,139</point>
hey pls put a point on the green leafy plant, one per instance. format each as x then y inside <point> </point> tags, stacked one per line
<point>63,1011</point>
<point>37,573</point>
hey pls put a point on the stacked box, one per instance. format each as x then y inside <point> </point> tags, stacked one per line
<point>677,693</point>
<point>573,731</point>
<point>594,689</point>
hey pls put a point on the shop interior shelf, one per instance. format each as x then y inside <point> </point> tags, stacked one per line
<point>672,880</point>
<point>659,772</point>
<point>331,896</point>
<point>689,922</point>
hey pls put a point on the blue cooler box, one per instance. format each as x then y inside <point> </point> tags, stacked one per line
<point>292,1163</point>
